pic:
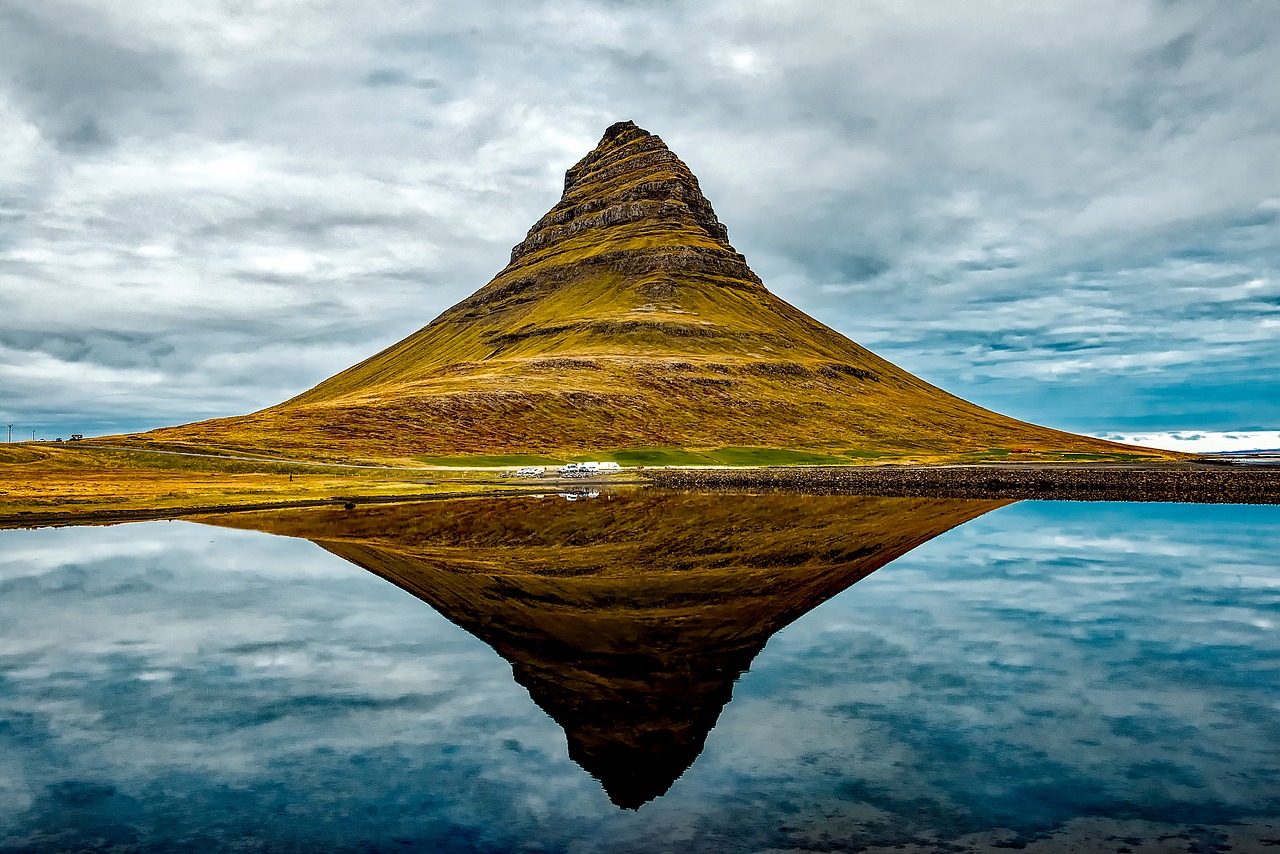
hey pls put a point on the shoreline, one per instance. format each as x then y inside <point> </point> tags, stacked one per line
<point>158,514</point>
<point>1176,482</point>
<point>1191,483</point>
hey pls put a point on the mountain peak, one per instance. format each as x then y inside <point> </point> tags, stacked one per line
<point>630,182</point>
<point>617,136</point>
<point>619,128</point>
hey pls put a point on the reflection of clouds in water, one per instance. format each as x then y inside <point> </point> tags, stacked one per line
<point>159,659</point>
<point>1024,685</point>
<point>1040,663</point>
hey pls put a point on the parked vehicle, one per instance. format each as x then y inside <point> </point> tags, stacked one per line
<point>531,471</point>
<point>589,468</point>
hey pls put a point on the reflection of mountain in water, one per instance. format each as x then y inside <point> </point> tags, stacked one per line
<point>629,617</point>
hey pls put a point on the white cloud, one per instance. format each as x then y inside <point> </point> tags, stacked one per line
<point>1201,441</point>
<point>998,197</point>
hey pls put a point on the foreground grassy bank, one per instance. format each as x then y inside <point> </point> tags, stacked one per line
<point>40,484</point>
<point>321,456</point>
<point>53,484</point>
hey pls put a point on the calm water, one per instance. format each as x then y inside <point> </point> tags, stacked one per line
<point>1042,675</point>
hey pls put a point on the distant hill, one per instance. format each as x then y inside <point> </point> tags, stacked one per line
<point>625,319</point>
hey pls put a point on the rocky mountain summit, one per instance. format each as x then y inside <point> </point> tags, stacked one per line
<point>624,319</point>
<point>630,176</point>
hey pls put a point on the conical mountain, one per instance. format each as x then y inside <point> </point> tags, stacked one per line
<point>624,319</point>
<point>629,617</point>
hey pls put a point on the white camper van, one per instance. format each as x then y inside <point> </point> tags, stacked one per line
<point>588,469</point>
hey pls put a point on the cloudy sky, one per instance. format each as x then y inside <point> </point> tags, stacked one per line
<point>1069,212</point>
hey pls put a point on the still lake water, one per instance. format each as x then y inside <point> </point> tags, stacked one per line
<point>1033,676</point>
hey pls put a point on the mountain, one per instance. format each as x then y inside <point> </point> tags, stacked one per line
<point>625,319</point>
<point>630,617</point>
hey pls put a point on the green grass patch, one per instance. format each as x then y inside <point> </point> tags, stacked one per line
<point>1117,457</point>
<point>651,457</point>
<point>773,457</point>
<point>865,455</point>
<point>491,460</point>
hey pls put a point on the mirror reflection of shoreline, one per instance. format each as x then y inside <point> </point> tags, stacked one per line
<point>627,618</point>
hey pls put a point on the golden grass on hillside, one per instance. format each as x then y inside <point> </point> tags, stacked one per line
<point>632,404</point>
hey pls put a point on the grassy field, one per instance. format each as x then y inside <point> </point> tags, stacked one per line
<point>655,456</point>
<point>47,481</point>
<point>491,460</point>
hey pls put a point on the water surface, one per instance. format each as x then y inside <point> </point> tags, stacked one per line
<point>547,675</point>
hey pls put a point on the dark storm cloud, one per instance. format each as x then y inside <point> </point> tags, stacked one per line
<point>1026,205</point>
<point>74,83</point>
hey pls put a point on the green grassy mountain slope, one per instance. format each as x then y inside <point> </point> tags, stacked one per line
<point>624,319</point>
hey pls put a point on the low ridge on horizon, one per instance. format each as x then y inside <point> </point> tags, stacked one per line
<point>625,319</point>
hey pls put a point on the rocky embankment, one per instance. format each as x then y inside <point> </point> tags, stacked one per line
<point>1185,483</point>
